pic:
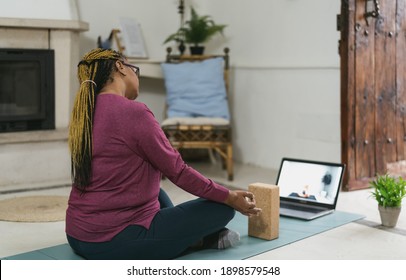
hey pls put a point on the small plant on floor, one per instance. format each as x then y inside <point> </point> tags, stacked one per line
<point>389,193</point>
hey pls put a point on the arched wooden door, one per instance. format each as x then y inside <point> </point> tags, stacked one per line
<point>372,50</point>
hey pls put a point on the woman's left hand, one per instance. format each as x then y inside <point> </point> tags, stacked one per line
<point>244,202</point>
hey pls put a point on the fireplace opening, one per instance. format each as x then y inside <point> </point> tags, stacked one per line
<point>27,90</point>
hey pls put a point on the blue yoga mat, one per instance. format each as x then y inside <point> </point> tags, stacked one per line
<point>290,230</point>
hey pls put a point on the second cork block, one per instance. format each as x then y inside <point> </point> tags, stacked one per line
<point>265,225</point>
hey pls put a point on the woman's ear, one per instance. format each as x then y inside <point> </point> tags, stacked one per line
<point>120,67</point>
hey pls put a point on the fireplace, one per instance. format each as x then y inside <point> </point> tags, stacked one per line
<point>27,90</point>
<point>40,158</point>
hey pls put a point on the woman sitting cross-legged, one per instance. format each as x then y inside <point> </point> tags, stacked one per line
<point>119,153</point>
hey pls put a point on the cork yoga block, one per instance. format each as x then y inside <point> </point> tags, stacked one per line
<point>265,225</point>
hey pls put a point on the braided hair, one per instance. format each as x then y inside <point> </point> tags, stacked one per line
<point>94,71</point>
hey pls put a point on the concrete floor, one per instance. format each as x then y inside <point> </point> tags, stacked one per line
<point>362,240</point>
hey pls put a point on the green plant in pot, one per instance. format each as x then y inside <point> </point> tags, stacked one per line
<point>389,193</point>
<point>197,30</point>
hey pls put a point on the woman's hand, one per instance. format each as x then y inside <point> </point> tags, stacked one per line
<point>243,202</point>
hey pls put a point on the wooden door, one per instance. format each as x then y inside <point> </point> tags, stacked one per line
<point>372,51</point>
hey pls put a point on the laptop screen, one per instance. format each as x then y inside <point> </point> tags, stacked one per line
<point>309,181</point>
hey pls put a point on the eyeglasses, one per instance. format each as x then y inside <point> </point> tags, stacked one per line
<point>136,69</point>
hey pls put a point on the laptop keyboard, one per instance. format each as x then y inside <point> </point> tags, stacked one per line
<point>301,208</point>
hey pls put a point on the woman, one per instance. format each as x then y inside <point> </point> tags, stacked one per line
<point>119,153</point>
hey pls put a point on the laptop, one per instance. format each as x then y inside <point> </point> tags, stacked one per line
<point>308,189</point>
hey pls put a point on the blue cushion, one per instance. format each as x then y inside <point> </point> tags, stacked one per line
<point>196,89</point>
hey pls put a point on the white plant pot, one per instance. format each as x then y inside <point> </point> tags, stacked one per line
<point>389,215</point>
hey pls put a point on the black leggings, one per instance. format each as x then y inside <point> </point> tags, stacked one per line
<point>173,230</point>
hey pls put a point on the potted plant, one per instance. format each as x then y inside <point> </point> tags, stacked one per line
<point>197,30</point>
<point>389,192</point>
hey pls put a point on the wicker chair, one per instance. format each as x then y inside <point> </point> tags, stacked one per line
<point>210,133</point>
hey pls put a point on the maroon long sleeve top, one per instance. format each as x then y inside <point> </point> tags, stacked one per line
<point>130,154</point>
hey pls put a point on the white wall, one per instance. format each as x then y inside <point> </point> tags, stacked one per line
<point>286,78</point>
<point>285,68</point>
<point>39,9</point>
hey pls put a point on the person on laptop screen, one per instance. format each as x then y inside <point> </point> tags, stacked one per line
<point>304,194</point>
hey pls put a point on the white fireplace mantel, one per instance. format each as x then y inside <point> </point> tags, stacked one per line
<point>39,158</point>
<point>73,25</point>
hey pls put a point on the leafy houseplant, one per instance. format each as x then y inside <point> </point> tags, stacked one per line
<point>389,193</point>
<point>197,30</point>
